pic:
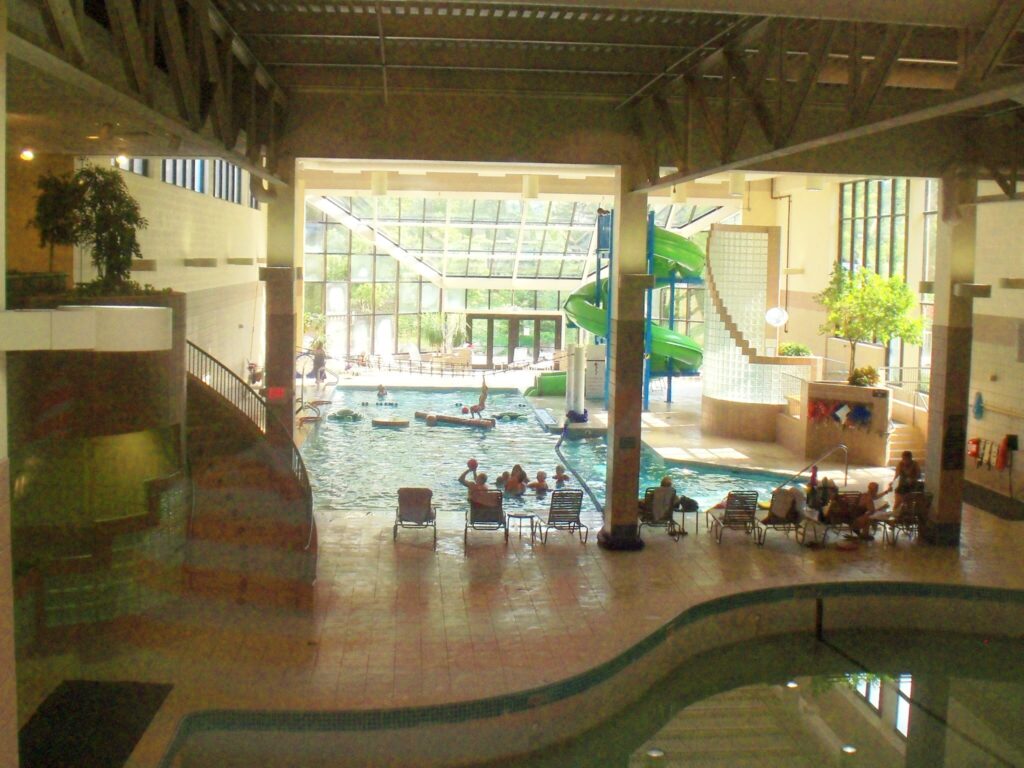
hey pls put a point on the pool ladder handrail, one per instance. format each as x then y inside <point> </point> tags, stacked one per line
<point>846,472</point>
<point>583,483</point>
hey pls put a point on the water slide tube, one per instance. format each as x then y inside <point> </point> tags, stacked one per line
<point>674,255</point>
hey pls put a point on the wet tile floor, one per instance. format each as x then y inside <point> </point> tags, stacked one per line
<point>400,624</point>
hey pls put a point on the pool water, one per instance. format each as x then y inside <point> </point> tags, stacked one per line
<point>356,467</point>
<point>859,698</point>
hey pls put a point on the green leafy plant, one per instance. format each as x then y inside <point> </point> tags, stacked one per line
<point>864,307</point>
<point>92,208</point>
<point>794,349</point>
<point>864,377</point>
<point>58,211</point>
<point>314,324</point>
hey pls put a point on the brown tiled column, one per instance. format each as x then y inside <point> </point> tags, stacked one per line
<point>8,678</point>
<point>284,281</point>
<point>951,359</point>
<point>626,361</point>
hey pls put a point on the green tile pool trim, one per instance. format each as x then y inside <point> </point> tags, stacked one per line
<point>410,717</point>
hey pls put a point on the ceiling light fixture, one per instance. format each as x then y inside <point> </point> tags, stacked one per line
<point>814,184</point>
<point>736,181</point>
<point>531,186</point>
<point>122,159</point>
<point>679,193</point>
<point>27,154</point>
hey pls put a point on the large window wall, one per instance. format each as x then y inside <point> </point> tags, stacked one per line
<point>359,273</point>
<point>873,225</point>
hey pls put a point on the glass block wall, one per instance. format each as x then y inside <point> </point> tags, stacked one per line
<point>738,258</point>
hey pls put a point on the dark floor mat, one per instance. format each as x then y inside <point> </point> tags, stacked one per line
<point>991,501</point>
<point>88,724</point>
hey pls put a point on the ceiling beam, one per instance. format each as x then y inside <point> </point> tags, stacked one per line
<point>66,23</point>
<point>117,102</point>
<point>997,35</point>
<point>945,13</point>
<point>998,89</point>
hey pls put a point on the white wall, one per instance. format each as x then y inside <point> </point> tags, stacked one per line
<point>997,357</point>
<point>225,302</point>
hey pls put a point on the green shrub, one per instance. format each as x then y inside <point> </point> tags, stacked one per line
<point>794,349</point>
<point>864,377</point>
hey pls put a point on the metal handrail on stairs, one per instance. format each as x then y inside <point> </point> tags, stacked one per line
<point>248,401</point>
<point>829,452</point>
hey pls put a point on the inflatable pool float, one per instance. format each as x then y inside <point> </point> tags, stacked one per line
<point>509,416</point>
<point>346,414</point>
<point>440,418</point>
<point>392,423</point>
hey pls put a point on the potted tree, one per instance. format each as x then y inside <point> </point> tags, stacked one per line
<point>92,208</point>
<point>864,307</point>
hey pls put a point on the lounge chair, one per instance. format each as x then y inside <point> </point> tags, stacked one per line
<point>784,514</point>
<point>656,512</point>
<point>739,513</point>
<point>415,510</point>
<point>487,514</point>
<point>841,513</point>
<point>564,514</point>
<point>908,518</point>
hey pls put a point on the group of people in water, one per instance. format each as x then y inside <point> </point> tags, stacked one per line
<point>514,482</point>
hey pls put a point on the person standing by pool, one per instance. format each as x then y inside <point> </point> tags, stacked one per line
<point>907,479</point>
<point>319,363</point>
<point>475,410</point>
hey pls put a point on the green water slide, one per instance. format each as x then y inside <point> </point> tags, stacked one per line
<point>674,255</point>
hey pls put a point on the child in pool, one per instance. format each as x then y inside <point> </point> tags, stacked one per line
<point>516,483</point>
<point>475,410</point>
<point>540,485</point>
<point>382,392</point>
<point>560,474</point>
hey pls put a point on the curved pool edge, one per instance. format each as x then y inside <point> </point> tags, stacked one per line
<point>516,723</point>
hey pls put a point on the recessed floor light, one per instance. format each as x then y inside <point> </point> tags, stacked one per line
<point>792,684</point>
<point>849,749</point>
<point>655,752</point>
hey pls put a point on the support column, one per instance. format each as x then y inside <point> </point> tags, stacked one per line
<point>570,376</point>
<point>926,732</point>
<point>8,672</point>
<point>625,364</point>
<point>579,379</point>
<point>951,358</point>
<point>283,277</point>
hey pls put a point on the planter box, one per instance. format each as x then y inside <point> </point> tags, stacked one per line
<point>857,417</point>
<point>22,286</point>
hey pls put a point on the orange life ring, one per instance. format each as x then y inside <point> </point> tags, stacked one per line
<point>1003,456</point>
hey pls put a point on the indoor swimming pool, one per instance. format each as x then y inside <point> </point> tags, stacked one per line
<point>357,467</point>
<point>853,698</point>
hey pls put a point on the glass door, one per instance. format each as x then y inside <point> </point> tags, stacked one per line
<point>480,339</point>
<point>500,351</point>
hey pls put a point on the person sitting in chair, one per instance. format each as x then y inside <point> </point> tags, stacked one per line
<point>664,501</point>
<point>870,513</point>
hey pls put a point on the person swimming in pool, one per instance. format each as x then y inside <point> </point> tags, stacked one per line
<point>474,410</point>
<point>517,480</point>
<point>382,392</point>
<point>561,476</point>
<point>540,485</point>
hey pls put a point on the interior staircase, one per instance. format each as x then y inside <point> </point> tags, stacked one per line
<point>251,536</point>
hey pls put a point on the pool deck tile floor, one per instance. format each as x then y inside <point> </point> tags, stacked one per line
<point>399,624</point>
